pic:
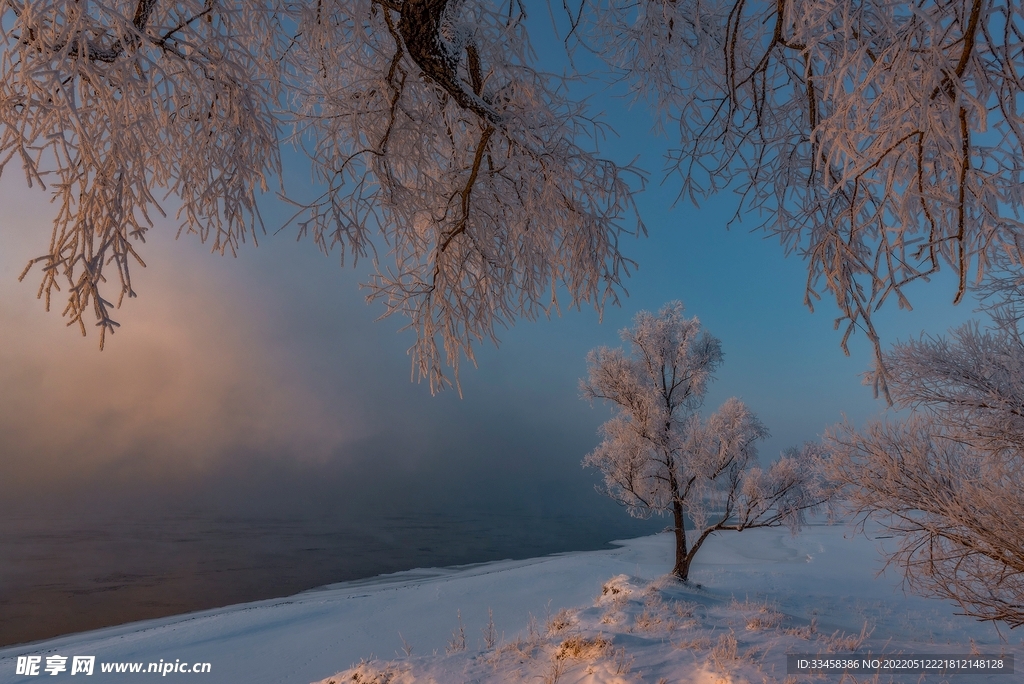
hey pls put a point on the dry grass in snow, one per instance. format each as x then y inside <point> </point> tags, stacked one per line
<point>639,630</point>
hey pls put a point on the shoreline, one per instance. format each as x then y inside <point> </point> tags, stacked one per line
<point>823,581</point>
<point>67,575</point>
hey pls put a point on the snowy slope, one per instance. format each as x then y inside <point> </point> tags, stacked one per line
<point>813,592</point>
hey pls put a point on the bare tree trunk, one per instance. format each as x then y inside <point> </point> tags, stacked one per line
<point>420,24</point>
<point>682,566</point>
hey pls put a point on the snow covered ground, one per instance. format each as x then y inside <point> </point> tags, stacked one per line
<point>596,616</point>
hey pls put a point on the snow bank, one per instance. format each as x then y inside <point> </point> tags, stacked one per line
<point>596,616</point>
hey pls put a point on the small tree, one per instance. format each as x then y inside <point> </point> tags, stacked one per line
<point>659,456</point>
<point>948,482</point>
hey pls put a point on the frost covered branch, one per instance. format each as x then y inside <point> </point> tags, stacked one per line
<point>111,103</point>
<point>473,171</point>
<point>429,129</point>
<point>880,141</point>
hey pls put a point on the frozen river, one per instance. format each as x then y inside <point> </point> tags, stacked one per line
<point>64,574</point>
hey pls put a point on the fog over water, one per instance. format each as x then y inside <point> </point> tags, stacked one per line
<point>246,435</point>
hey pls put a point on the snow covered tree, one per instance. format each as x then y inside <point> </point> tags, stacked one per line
<point>948,482</point>
<point>659,456</point>
<point>425,121</point>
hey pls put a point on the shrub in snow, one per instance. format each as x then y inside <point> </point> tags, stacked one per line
<point>948,481</point>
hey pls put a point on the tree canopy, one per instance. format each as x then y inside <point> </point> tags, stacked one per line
<point>879,141</point>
